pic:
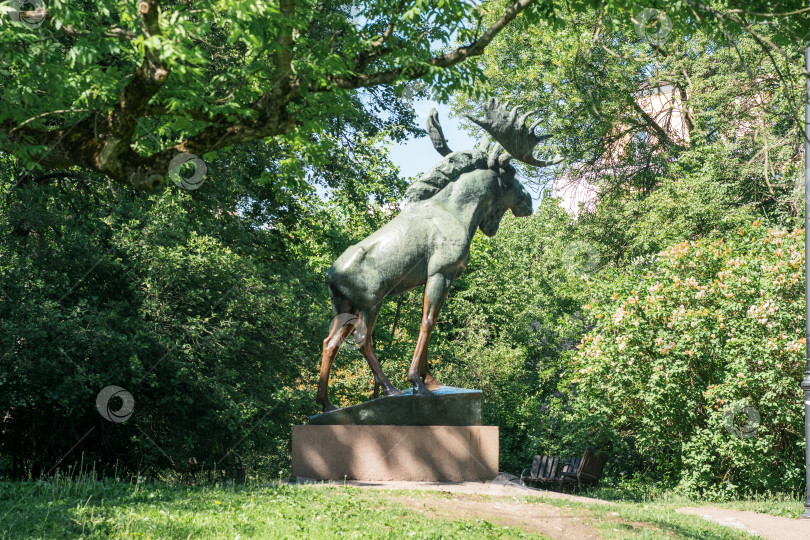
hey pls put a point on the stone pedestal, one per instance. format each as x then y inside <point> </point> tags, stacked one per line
<point>435,438</point>
<point>409,453</point>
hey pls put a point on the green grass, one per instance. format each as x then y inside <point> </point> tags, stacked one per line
<point>110,509</point>
<point>775,504</point>
<point>87,508</point>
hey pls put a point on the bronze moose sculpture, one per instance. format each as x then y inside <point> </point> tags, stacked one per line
<point>428,242</point>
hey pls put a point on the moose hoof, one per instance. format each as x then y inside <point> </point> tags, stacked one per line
<point>419,389</point>
<point>392,392</point>
<point>431,383</point>
<point>329,408</point>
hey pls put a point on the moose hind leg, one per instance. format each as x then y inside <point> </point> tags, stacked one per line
<point>331,345</point>
<point>436,290</point>
<point>363,338</point>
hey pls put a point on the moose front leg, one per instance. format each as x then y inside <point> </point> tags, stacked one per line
<point>436,290</point>
<point>424,372</point>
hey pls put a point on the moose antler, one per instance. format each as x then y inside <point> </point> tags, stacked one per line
<point>434,129</point>
<point>511,133</point>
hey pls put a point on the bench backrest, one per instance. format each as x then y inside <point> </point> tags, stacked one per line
<point>571,465</point>
<point>544,466</point>
<point>592,463</point>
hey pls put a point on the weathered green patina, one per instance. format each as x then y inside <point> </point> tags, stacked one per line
<point>428,242</point>
<point>446,406</point>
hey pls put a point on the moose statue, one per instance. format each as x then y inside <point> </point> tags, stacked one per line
<point>428,242</point>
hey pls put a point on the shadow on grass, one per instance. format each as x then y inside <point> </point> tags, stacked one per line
<point>109,509</point>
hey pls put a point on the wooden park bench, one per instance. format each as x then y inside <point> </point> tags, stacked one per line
<point>547,470</point>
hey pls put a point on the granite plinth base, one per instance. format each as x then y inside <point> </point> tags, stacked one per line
<point>405,453</point>
<point>446,406</point>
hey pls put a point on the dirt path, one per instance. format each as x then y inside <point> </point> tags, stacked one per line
<point>502,486</point>
<point>544,519</point>
<point>764,525</point>
<point>462,500</point>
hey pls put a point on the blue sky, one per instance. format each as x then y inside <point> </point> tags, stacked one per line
<point>418,155</point>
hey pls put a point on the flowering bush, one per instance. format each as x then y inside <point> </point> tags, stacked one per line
<point>696,364</point>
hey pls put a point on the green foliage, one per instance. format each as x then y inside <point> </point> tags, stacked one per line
<point>89,80</point>
<point>208,306</point>
<point>740,104</point>
<point>742,160</point>
<point>695,364</point>
<point>167,310</point>
<point>121,89</point>
<point>630,227</point>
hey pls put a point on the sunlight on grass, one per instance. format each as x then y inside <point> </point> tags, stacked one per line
<point>775,504</point>
<point>84,507</point>
<point>111,509</point>
<point>631,520</point>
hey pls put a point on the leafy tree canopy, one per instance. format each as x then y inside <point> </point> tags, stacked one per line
<point>122,88</point>
<point>736,94</point>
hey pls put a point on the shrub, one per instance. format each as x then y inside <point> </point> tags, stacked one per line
<point>696,363</point>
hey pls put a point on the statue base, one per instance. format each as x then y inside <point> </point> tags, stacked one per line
<point>435,438</point>
<point>447,406</point>
<point>404,453</point>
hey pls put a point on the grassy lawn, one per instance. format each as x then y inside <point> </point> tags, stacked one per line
<point>111,509</point>
<point>776,504</point>
<point>634,520</point>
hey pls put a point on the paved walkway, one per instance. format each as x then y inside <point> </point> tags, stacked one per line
<point>764,525</point>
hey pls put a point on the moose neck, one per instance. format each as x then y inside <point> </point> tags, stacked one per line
<point>472,197</point>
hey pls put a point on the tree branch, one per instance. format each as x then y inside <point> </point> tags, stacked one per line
<point>376,49</point>
<point>652,124</point>
<point>103,141</point>
<point>116,153</point>
<point>118,33</point>
<point>449,59</point>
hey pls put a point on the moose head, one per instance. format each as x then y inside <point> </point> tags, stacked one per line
<point>513,139</point>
